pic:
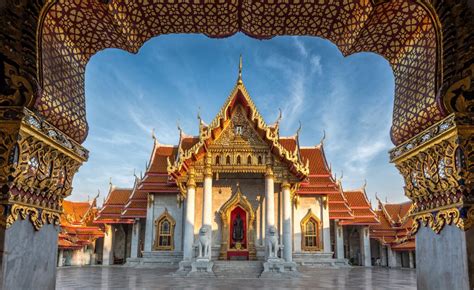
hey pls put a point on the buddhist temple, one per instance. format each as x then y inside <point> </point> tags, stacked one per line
<point>79,237</point>
<point>237,190</point>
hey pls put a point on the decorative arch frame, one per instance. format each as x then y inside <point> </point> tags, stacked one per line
<point>237,199</point>
<point>165,216</point>
<point>372,26</point>
<point>310,216</point>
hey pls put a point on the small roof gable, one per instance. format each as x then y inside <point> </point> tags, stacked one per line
<point>361,208</point>
<point>111,211</point>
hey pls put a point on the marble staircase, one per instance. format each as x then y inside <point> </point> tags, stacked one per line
<point>238,269</point>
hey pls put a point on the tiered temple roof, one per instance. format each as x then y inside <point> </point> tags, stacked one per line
<point>136,205</point>
<point>395,226</point>
<point>361,208</point>
<point>114,205</point>
<point>77,228</point>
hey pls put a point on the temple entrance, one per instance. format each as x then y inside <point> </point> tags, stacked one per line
<point>238,249</point>
<point>238,238</point>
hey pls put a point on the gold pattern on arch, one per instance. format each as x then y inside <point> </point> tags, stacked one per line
<point>310,232</point>
<point>164,229</point>
<point>237,199</point>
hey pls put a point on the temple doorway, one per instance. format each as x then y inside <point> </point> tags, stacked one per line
<point>237,220</point>
<point>238,248</point>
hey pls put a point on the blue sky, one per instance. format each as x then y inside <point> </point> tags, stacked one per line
<point>127,95</point>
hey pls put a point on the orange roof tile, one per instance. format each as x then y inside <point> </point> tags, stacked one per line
<point>361,208</point>
<point>317,160</point>
<point>289,143</point>
<point>111,211</point>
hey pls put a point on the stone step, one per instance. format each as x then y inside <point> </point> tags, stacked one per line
<point>238,269</point>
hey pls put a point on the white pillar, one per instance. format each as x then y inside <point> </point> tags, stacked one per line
<point>135,247</point>
<point>391,258</point>
<point>60,258</point>
<point>326,225</point>
<point>287,237</point>
<point>207,194</point>
<point>188,240</point>
<point>366,258</point>
<point>269,202</point>
<point>108,252</point>
<point>383,255</point>
<point>269,199</point>
<point>150,223</point>
<point>339,242</point>
<point>411,260</point>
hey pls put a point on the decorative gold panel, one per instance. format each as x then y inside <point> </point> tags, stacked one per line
<point>38,163</point>
<point>438,168</point>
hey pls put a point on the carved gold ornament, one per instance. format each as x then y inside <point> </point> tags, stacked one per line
<point>37,167</point>
<point>438,168</point>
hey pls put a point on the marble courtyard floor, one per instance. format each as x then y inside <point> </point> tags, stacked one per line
<point>119,277</point>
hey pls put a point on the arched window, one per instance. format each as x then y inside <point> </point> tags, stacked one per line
<point>259,160</point>
<point>164,228</point>
<point>310,229</point>
<point>227,160</point>
<point>249,160</point>
<point>218,160</point>
<point>238,159</point>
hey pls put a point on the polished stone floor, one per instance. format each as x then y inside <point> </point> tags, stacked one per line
<point>119,277</point>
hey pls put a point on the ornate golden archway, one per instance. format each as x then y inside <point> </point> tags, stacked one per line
<point>237,200</point>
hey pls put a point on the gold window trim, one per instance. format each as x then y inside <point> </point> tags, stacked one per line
<point>158,221</point>
<point>307,218</point>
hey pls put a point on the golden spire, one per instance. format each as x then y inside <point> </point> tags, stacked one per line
<point>239,80</point>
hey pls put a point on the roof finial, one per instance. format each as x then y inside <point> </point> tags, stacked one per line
<point>280,115</point>
<point>299,129</point>
<point>342,174</point>
<point>239,80</point>
<point>199,115</point>
<point>324,137</point>
<point>110,181</point>
<point>153,134</point>
<point>179,128</point>
<point>365,184</point>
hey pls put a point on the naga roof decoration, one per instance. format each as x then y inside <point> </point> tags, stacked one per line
<point>209,133</point>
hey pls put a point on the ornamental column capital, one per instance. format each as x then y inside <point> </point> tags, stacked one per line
<point>191,183</point>
<point>285,185</point>
<point>208,165</point>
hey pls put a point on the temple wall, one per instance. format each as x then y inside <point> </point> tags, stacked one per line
<point>168,202</point>
<point>299,212</point>
<point>252,189</point>
<point>455,248</point>
<point>28,256</point>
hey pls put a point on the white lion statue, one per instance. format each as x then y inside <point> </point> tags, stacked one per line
<point>204,242</point>
<point>272,242</point>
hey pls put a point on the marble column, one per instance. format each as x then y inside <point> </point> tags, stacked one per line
<point>326,225</point>
<point>135,247</point>
<point>383,255</point>
<point>269,199</point>
<point>207,194</point>
<point>339,242</point>
<point>411,260</point>
<point>108,251</point>
<point>188,239</point>
<point>391,258</point>
<point>269,203</point>
<point>60,258</point>
<point>287,237</point>
<point>150,223</point>
<point>366,258</point>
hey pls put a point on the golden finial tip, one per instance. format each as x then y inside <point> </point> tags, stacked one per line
<point>239,80</point>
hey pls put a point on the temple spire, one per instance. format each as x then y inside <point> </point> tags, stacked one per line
<point>239,79</point>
